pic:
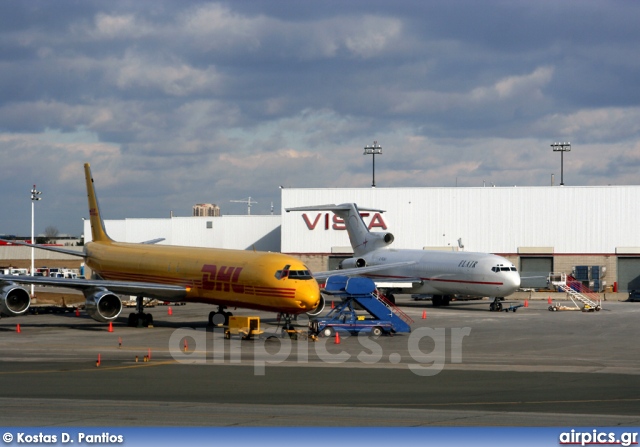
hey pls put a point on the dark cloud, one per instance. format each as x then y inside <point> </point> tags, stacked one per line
<point>175,103</point>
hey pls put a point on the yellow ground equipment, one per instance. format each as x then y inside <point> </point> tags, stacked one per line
<point>246,327</point>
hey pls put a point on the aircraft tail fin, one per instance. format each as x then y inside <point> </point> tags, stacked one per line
<point>98,233</point>
<point>362,240</point>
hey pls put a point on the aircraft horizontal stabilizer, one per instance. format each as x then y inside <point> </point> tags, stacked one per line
<point>331,207</point>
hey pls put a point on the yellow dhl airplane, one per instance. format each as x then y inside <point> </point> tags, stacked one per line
<point>227,278</point>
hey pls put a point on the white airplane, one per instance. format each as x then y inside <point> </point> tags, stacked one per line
<point>442,274</point>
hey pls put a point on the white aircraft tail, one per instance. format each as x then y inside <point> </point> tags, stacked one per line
<point>362,240</point>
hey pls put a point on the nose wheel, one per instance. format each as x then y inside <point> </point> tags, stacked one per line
<point>496,306</point>
<point>287,327</point>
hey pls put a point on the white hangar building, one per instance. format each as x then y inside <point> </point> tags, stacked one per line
<point>540,229</point>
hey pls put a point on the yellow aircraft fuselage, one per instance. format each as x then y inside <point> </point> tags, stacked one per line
<point>233,278</point>
<point>214,276</point>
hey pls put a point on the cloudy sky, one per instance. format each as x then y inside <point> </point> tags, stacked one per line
<point>175,103</point>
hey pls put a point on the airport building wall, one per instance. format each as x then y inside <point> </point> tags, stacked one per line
<point>261,233</point>
<point>538,228</point>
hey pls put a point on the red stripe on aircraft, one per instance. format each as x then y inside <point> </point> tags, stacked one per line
<point>459,281</point>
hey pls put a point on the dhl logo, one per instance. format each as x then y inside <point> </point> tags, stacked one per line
<point>222,278</point>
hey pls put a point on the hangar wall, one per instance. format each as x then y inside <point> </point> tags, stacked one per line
<point>499,220</point>
<point>569,226</point>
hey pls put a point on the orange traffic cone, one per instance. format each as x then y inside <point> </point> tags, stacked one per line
<point>98,361</point>
<point>18,328</point>
<point>77,312</point>
<point>332,305</point>
<point>424,314</point>
<point>526,303</point>
<point>169,311</point>
<point>110,326</point>
<point>549,301</point>
<point>337,338</point>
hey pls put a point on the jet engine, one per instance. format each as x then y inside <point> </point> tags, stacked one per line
<point>318,310</point>
<point>376,241</point>
<point>102,305</point>
<point>14,300</point>
<point>353,263</point>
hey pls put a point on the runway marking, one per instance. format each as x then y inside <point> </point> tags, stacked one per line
<point>452,404</point>
<point>100,368</point>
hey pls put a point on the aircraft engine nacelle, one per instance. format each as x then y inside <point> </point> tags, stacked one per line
<point>382,240</point>
<point>103,305</point>
<point>14,300</point>
<point>318,310</point>
<point>353,263</point>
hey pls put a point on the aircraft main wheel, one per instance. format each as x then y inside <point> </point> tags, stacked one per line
<point>133,320</point>
<point>492,307</point>
<point>376,331</point>
<point>499,307</point>
<point>391,298</point>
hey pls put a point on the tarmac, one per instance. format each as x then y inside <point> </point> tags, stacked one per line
<point>461,365</point>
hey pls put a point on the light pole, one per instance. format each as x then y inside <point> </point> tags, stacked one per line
<point>35,195</point>
<point>562,148</point>
<point>373,150</point>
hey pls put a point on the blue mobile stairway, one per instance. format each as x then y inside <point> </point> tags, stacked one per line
<point>355,293</point>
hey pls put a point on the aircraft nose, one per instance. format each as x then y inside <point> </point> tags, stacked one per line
<point>513,281</point>
<point>308,297</point>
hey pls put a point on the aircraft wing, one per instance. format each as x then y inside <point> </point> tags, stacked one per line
<point>359,271</point>
<point>166,292</point>
<point>48,247</point>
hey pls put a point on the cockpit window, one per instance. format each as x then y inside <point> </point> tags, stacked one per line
<point>293,274</point>
<point>502,268</point>
<point>299,274</point>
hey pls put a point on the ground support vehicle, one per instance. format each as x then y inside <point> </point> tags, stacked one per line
<point>513,307</point>
<point>361,309</point>
<point>246,327</point>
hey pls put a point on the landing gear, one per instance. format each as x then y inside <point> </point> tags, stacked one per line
<point>389,294</point>
<point>287,327</point>
<point>496,306</point>
<point>219,317</point>
<point>139,318</point>
<point>440,300</point>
